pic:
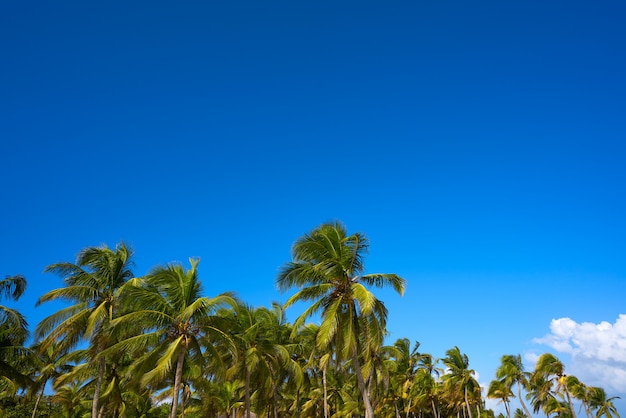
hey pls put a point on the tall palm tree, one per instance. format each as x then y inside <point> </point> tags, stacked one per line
<point>72,399</point>
<point>459,380</point>
<point>520,414</point>
<point>550,369</point>
<point>168,306</point>
<point>313,365</point>
<point>500,390</point>
<point>92,284</point>
<point>603,405</point>
<point>287,371</point>
<point>48,365</point>
<point>511,372</point>
<point>403,376</point>
<point>577,390</point>
<point>13,334</point>
<point>13,322</point>
<point>541,395</point>
<point>379,368</point>
<point>327,267</point>
<point>426,392</point>
<point>262,355</point>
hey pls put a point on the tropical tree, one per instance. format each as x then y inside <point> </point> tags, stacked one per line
<point>426,393</point>
<point>541,395</point>
<point>12,322</point>
<point>168,306</point>
<point>327,268</point>
<point>47,365</point>
<point>380,366</point>
<point>403,376</point>
<point>72,399</point>
<point>459,382</point>
<point>222,397</point>
<point>313,369</point>
<point>511,372</point>
<point>499,390</point>
<point>259,335</point>
<point>602,404</point>
<point>92,284</point>
<point>13,334</point>
<point>520,414</point>
<point>550,373</point>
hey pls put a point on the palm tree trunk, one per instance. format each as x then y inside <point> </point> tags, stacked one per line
<point>182,401</point>
<point>467,406</point>
<point>39,396</point>
<point>519,396</point>
<point>298,403</point>
<point>96,393</point>
<point>435,414</point>
<point>569,401</point>
<point>177,380</point>
<point>247,397</point>
<point>369,411</point>
<point>325,392</point>
<point>275,399</point>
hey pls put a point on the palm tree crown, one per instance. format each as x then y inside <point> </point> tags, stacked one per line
<point>328,268</point>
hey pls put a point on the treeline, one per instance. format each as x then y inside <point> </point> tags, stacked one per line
<point>155,346</point>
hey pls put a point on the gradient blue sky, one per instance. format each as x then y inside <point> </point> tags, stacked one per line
<point>480,147</point>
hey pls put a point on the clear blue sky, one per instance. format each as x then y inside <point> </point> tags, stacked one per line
<point>480,147</point>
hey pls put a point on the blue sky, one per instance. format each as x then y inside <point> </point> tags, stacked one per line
<point>479,146</point>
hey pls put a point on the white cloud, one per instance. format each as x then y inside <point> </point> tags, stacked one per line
<point>597,351</point>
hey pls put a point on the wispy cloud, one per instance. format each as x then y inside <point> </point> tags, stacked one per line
<point>597,351</point>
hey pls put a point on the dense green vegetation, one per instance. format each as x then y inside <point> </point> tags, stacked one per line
<point>155,346</point>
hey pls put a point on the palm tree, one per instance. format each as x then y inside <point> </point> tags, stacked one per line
<point>13,323</point>
<point>259,336</point>
<point>500,390</point>
<point>48,364</point>
<point>520,414</point>
<point>459,380</point>
<point>380,366</point>
<point>287,371</point>
<point>550,370</point>
<point>72,399</point>
<point>328,267</point>
<point>403,376</point>
<point>603,405</point>
<point>577,390</point>
<point>13,334</point>
<point>540,395</point>
<point>313,365</point>
<point>511,372</point>
<point>425,392</point>
<point>168,307</point>
<point>92,284</point>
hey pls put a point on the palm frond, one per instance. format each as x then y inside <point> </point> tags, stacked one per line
<point>164,364</point>
<point>13,325</point>
<point>74,294</point>
<point>364,298</point>
<point>385,280</point>
<point>12,287</point>
<point>67,323</point>
<point>330,323</point>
